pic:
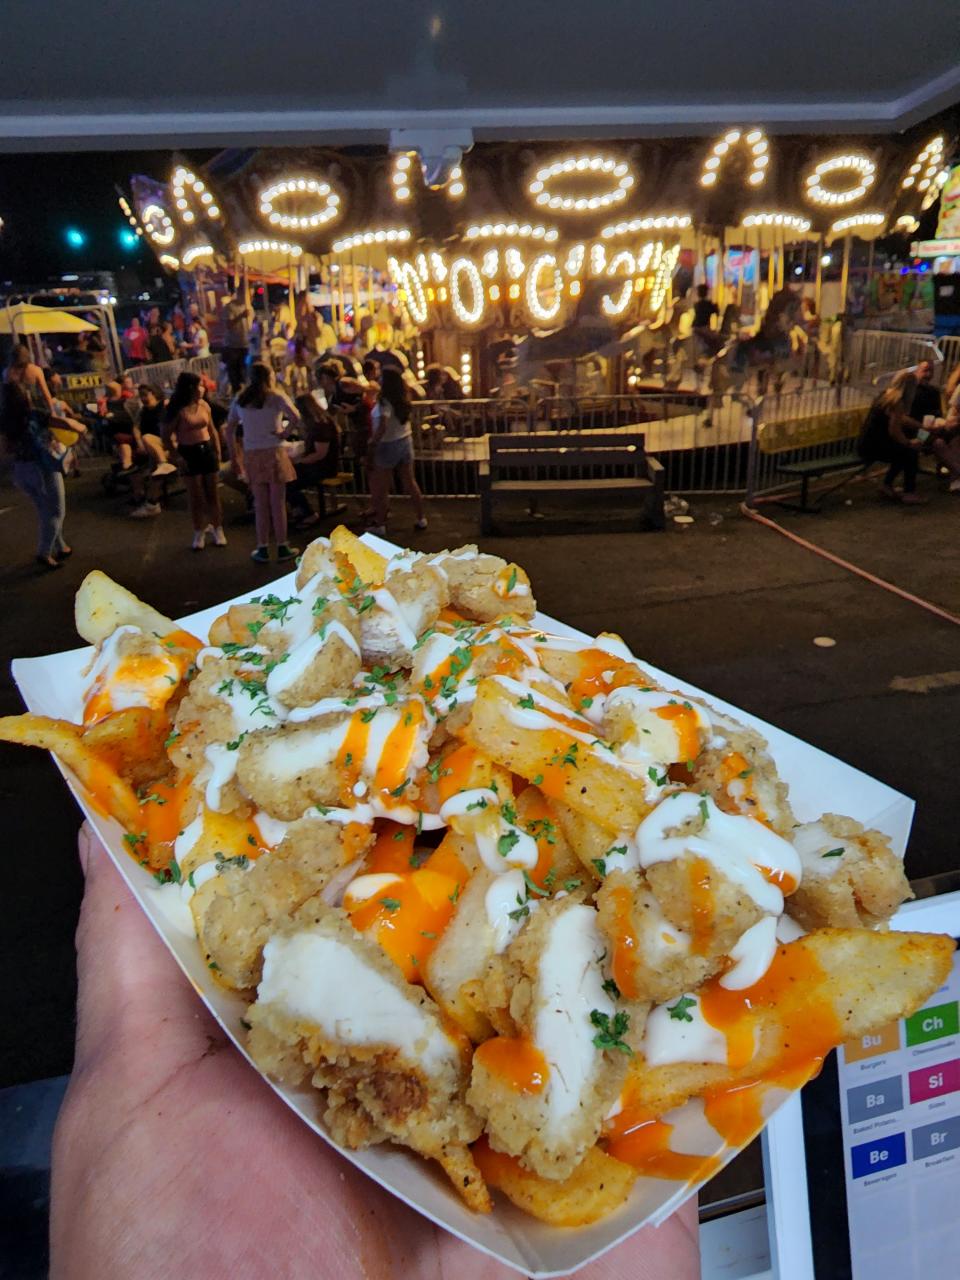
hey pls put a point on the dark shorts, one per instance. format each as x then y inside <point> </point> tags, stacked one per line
<point>392,453</point>
<point>199,459</point>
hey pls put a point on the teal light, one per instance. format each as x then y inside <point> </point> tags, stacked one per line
<point>76,239</point>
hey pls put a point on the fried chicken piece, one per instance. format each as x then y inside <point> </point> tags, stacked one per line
<point>544,1090</point>
<point>851,876</point>
<point>650,957</point>
<point>408,602</point>
<point>332,1009</point>
<point>236,911</point>
<point>485,587</point>
<point>288,770</point>
<point>736,768</point>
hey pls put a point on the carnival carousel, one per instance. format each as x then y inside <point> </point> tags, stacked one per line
<point>550,275</point>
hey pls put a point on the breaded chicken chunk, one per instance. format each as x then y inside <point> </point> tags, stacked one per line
<point>650,957</point>
<point>544,1090</point>
<point>408,602</point>
<point>485,587</point>
<point>736,768</point>
<point>288,770</point>
<point>236,911</point>
<point>332,1009</point>
<point>851,876</point>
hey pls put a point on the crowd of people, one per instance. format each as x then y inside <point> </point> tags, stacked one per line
<point>152,339</point>
<point>909,418</point>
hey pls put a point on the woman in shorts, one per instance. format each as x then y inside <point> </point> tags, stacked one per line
<point>191,440</point>
<point>391,449</point>
<point>259,410</point>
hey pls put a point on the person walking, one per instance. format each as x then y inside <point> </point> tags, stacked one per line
<point>391,449</point>
<point>37,467</point>
<point>888,435</point>
<point>191,440</point>
<point>236,316</point>
<point>255,429</point>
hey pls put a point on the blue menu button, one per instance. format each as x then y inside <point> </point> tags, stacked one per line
<point>876,1157</point>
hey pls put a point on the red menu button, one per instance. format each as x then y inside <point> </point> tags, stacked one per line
<point>931,1082</point>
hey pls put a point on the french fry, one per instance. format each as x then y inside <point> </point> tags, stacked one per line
<point>562,766</point>
<point>132,742</point>
<point>108,791</point>
<point>369,565</point>
<point>102,605</point>
<point>849,981</point>
<point>597,1187</point>
<point>232,627</point>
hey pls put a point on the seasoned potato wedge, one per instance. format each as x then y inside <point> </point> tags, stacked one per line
<point>102,605</point>
<point>597,1187</point>
<point>368,564</point>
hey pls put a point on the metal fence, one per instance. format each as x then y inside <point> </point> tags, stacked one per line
<point>868,354</point>
<point>820,424</point>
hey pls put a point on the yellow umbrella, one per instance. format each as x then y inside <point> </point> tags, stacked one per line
<point>22,319</point>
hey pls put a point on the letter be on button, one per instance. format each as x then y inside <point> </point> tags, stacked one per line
<point>877,1157</point>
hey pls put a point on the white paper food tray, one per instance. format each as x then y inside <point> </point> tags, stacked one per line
<point>819,783</point>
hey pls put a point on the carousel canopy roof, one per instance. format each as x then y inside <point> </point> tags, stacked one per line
<point>189,74</point>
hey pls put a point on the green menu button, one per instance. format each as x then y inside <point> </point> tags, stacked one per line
<point>934,1023</point>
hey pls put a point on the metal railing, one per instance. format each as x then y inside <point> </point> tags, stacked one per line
<point>868,354</point>
<point>820,424</point>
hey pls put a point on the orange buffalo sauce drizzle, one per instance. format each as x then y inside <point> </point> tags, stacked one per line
<point>796,986</point>
<point>515,1062</point>
<point>408,917</point>
<point>596,665</point>
<point>163,819</point>
<point>180,648</point>
<point>702,904</point>
<point>537,809</point>
<point>685,726</point>
<point>462,769</point>
<point>624,959</point>
<point>732,767</point>
<point>392,769</point>
<point>496,1166</point>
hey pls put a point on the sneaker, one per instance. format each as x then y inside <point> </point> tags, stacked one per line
<point>219,537</point>
<point>955,485</point>
<point>261,555</point>
<point>164,469</point>
<point>913,500</point>
<point>421,523</point>
<point>144,510</point>
<point>198,540</point>
<point>285,552</point>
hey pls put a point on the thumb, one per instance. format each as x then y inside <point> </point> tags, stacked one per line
<point>126,978</point>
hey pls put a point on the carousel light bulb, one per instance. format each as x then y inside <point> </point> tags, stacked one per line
<point>494,292</point>
<point>732,137</point>
<point>545,262</point>
<point>707,179</point>
<point>403,193</point>
<point>711,163</point>
<point>756,178</point>
<point>514,292</point>
<point>399,179</point>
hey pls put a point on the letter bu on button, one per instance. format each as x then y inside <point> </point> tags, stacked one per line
<point>886,1040</point>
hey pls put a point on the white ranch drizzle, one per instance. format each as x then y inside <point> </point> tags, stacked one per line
<point>737,846</point>
<point>752,955</point>
<point>690,1038</point>
<point>812,841</point>
<point>506,894</point>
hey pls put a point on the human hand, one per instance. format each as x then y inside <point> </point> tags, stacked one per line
<point>171,1155</point>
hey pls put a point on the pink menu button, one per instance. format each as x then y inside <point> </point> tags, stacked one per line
<point>931,1082</point>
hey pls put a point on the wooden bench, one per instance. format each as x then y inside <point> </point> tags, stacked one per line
<point>791,436</point>
<point>593,464</point>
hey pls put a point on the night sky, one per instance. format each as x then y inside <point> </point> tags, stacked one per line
<point>42,195</point>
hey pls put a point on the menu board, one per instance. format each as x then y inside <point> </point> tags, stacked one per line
<point>900,1116</point>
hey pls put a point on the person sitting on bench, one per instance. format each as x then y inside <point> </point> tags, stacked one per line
<point>889,435</point>
<point>319,461</point>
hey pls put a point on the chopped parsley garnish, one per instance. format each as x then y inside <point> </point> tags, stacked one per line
<point>252,840</point>
<point>348,759</point>
<point>533,887</point>
<point>678,1011</point>
<point>520,911</point>
<point>319,605</point>
<point>397,792</point>
<point>367,716</point>
<point>171,680</point>
<point>610,1031</point>
<point>567,757</point>
<point>704,813</point>
<point>400,835</point>
<point>321,808</point>
<point>509,813</point>
<point>512,580</point>
<point>232,746</point>
<point>430,631</point>
<point>366,603</point>
<point>152,798</point>
<point>477,804</point>
<point>542,829</point>
<point>658,779</point>
<point>212,964</point>
<point>132,840</point>
<point>571,885</point>
<point>611,988</point>
<point>526,702</point>
<point>600,865</point>
<point>392,904</point>
<point>452,897</point>
<point>538,780</point>
<point>276,609</point>
<point>172,739</point>
<point>617,848</point>
<point>436,771</point>
<point>240,861</point>
<point>586,702</point>
<point>418,858</point>
<point>428,933</point>
<point>745,773</point>
<point>833,853</point>
<point>225,687</point>
<point>507,842</point>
